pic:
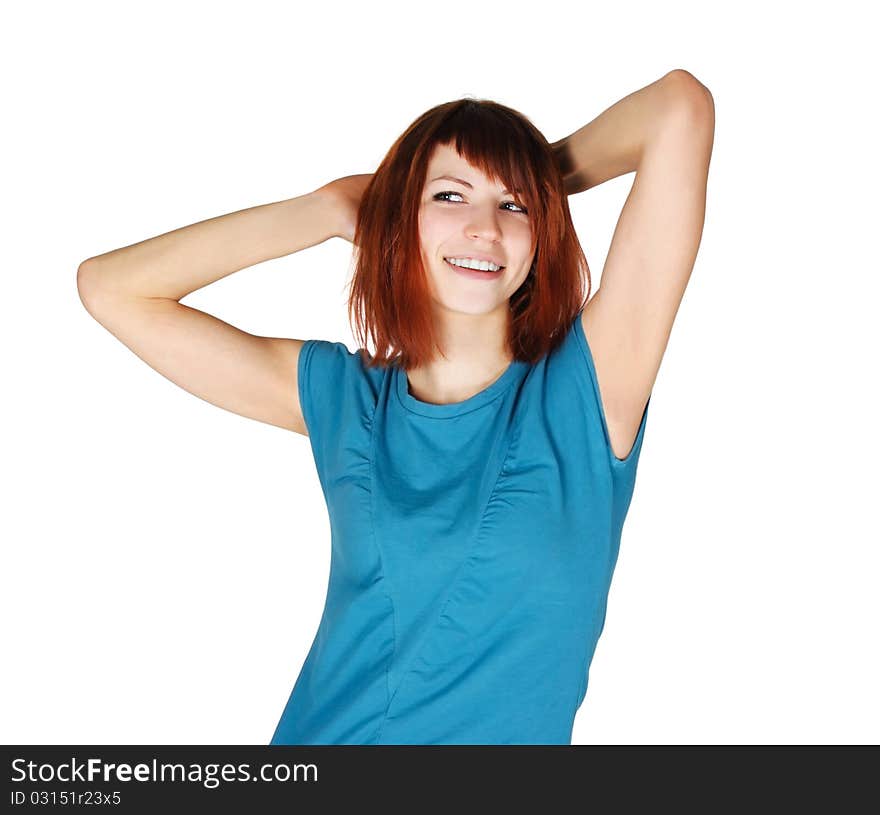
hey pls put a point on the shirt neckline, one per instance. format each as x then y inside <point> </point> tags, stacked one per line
<point>514,373</point>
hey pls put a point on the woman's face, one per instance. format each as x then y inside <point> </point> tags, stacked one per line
<point>477,221</point>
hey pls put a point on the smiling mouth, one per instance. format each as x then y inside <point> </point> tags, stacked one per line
<point>474,272</point>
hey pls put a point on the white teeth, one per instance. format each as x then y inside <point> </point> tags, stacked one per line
<point>482,265</point>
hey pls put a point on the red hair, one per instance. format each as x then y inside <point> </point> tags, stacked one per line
<point>389,296</point>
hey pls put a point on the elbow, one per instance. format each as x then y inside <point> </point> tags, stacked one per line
<point>689,103</point>
<point>86,269</point>
<point>87,283</point>
<point>690,90</point>
<point>84,274</point>
<point>687,80</point>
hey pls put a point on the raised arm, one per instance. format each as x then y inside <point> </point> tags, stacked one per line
<point>177,263</point>
<point>613,143</point>
<point>134,292</point>
<point>664,133</point>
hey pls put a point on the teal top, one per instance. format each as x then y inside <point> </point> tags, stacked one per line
<point>472,549</point>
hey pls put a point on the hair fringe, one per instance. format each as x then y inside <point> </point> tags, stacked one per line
<point>389,299</point>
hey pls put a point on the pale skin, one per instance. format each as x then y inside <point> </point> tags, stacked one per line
<point>471,315</point>
<point>663,132</point>
<point>628,320</point>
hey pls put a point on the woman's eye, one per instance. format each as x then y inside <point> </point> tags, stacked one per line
<point>440,197</point>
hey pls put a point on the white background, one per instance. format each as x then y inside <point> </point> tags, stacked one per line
<point>165,561</point>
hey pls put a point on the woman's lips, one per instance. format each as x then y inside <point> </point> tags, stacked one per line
<point>476,273</point>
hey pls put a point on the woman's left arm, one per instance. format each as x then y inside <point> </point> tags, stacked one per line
<point>612,144</point>
<point>664,133</point>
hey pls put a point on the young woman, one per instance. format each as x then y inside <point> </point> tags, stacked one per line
<point>479,465</point>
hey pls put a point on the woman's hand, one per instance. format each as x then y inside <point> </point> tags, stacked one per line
<point>345,195</point>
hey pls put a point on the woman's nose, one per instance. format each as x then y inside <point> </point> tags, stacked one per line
<point>484,223</point>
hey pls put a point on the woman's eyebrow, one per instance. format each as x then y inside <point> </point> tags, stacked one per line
<point>461,181</point>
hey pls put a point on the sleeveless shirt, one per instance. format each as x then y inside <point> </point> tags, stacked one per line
<point>472,550</point>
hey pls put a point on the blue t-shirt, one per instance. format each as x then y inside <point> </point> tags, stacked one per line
<point>472,549</point>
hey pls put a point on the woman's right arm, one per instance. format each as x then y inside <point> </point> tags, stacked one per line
<point>134,292</point>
